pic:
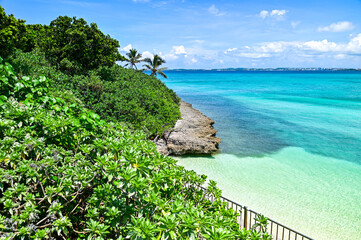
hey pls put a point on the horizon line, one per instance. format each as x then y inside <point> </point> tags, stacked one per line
<point>268,69</point>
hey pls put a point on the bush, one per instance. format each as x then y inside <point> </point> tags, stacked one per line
<point>13,34</point>
<point>70,44</point>
<point>115,93</point>
<point>121,94</point>
<point>75,46</point>
<point>82,60</point>
<point>67,174</point>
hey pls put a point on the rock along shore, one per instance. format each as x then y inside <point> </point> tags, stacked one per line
<point>192,134</point>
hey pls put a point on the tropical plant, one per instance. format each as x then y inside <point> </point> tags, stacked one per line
<point>115,93</point>
<point>134,57</point>
<point>13,34</point>
<point>81,59</point>
<point>67,174</point>
<point>154,64</point>
<point>76,47</point>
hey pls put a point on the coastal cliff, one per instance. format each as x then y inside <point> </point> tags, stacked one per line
<point>192,134</point>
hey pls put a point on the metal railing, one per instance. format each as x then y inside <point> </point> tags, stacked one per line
<point>247,216</point>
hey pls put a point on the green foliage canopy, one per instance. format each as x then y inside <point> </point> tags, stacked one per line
<point>125,95</point>
<point>13,34</point>
<point>67,174</point>
<point>77,47</point>
<point>115,93</point>
<point>85,58</point>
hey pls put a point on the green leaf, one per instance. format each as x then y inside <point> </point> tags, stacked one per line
<point>4,79</point>
<point>3,99</point>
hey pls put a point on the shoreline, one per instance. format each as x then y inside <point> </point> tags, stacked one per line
<point>193,134</point>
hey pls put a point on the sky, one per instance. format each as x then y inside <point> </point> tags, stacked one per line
<point>219,34</point>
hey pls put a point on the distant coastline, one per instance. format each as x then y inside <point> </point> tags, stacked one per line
<point>271,70</point>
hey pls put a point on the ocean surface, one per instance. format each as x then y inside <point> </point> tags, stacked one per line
<point>291,144</point>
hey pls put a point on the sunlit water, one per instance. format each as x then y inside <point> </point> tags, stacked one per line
<point>291,144</point>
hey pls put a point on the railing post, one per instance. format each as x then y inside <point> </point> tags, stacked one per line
<point>245,217</point>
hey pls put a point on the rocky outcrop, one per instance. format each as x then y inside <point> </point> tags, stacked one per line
<point>192,134</point>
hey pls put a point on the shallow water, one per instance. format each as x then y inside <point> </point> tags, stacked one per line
<point>291,144</point>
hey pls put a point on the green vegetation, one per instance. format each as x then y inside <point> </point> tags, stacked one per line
<point>133,58</point>
<point>76,47</point>
<point>70,44</point>
<point>115,93</point>
<point>13,34</point>
<point>81,59</point>
<point>67,172</point>
<point>154,64</point>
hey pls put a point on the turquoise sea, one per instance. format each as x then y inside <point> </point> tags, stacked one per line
<point>291,144</point>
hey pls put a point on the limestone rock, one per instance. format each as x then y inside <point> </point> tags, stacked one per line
<point>192,134</point>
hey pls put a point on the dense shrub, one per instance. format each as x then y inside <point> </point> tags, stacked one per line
<point>13,34</point>
<point>126,95</point>
<point>67,174</point>
<point>34,63</point>
<point>81,59</point>
<point>115,93</point>
<point>70,44</point>
<point>74,46</point>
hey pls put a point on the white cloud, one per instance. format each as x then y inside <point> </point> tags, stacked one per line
<point>304,51</point>
<point>230,50</point>
<point>274,47</point>
<point>283,46</point>
<point>215,11</point>
<point>147,54</point>
<point>309,52</point>
<point>354,45</point>
<point>278,12</point>
<point>309,47</point>
<point>175,53</point>
<point>169,56</point>
<point>140,1</point>
<point>179,50</point>
<point>263,14</point>
<point>321,46</point>
<point>254,55</point>
<point>127,48</point>
<point>337,27</point>
<point>274,13</point>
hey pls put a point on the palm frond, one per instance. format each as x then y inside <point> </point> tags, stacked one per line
<point>148,60</point>
<point>162,73</point>
<point>148,66</point>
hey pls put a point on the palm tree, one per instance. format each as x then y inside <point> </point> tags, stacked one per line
<point>133,58</point>
<point>154,64</point>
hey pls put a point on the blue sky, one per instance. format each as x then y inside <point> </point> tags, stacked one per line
<point>219,34</point>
